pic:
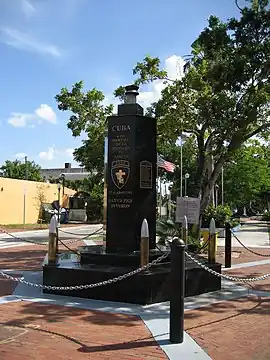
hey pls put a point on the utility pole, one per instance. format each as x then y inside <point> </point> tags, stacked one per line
<point>26,168</point>
<point>181,166</point>
<point>222,186</point>
<point>24,193</point>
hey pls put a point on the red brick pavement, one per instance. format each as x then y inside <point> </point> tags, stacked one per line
<point>241,255</point>
<point>253,271</point>
<point>235,330</point>
<point>6,286</point>
<point>63,333</point>
<point>28,257</point>
<point>24,258</point>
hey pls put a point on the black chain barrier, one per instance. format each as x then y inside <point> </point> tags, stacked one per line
<point>244,246</point>
<point>71,233</point>
<point>46,243</point>
<point>134,272</point>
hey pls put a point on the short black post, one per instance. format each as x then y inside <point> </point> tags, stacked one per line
<point>228,245</point>
<point>177,296</point>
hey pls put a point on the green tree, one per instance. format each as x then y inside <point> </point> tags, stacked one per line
<point>246,178</point>
<point>21,170</point>
<point>223,98</point>
<point>95,189</point>
<point>172,151</point>
<point>89,118</point>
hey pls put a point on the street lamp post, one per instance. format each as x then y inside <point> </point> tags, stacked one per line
<point>181,166</point>
<point>217,188</point>
<point>186,177</point>
<point>24,208</point>
<point>57,230</point>
<point>222,186</point>
<point>59,189</point>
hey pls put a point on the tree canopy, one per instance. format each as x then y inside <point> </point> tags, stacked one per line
<point>21,170</point>
<point>223,97</point>
<point>89,117</point>
<point>220,103</point>
<point>246,178</point>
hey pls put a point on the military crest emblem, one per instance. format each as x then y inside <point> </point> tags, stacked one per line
<point>120,172</point>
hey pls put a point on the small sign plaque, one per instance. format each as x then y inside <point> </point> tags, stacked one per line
<point>189,207</point>
<point>146,175</point>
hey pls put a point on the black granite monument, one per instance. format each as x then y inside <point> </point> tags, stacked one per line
<point>131,192</point>
<point>130,196</point>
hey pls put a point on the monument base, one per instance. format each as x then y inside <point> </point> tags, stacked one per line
<point>143,288</point>
<point>96,254</point>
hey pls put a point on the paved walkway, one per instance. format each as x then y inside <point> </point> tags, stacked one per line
<point>252,234</point>
<point>236,329</point>
<point>40,331</point>
<point>10,239</point>
<point>228,324</point>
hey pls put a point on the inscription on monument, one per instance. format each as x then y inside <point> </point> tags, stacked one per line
<point>120,145</point>
<point>122,127</point>
<point>146,175</point>
<point>120,166</point>
<point>121,203</point>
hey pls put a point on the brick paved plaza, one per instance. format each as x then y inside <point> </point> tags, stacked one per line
<point>233,329</point>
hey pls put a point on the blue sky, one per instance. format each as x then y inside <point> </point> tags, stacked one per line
<point>48,44</point>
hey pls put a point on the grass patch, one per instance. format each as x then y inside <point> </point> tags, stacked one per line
<point>95,238</point>
<point>26,226</point>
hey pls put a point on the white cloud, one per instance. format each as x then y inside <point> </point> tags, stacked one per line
<point>43,113</point>
<point>69,152</point>
<point>20,119</point>
<point>174,66</point>
<point>22,41</point>
<point>27,8</point>
<point>52,153</point>
<point>48,155</point>
<point>20,156</point>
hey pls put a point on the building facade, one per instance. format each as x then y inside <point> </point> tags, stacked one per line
<point>56,173</point>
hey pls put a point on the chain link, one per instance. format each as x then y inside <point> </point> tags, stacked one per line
<point>131,273</point>
<point>96,232</point>
<point>227,277</point>
<point>244,246</point>
<point>46,243</point>
<point>88,286</point>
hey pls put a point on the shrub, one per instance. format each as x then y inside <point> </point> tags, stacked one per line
<point>221,214</point>
<point>266,216</point>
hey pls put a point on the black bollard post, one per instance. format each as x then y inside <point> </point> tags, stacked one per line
<point>228,246</point>
<point>177,295</point>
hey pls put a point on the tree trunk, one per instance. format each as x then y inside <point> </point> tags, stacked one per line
<point>200,165</point>
<point>207,190</point>
<point>210,169</point>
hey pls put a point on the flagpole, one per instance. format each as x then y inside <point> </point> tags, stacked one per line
<point>157,188</point>
<point>222,186</point>
<point>165,194</point>
<point>160,197</point>
<point>181,167</point>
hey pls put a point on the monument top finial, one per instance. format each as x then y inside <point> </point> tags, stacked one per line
<point>131,94</point>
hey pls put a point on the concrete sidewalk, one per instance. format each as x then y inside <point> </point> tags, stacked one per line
<point>252,234</point>
<point>16,238</point>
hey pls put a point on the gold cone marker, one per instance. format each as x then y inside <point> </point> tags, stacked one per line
<point>185,230</point>
<point>212,242</point>
<point>144,245</point>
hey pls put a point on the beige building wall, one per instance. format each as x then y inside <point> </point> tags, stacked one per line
<point>12,199</point>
